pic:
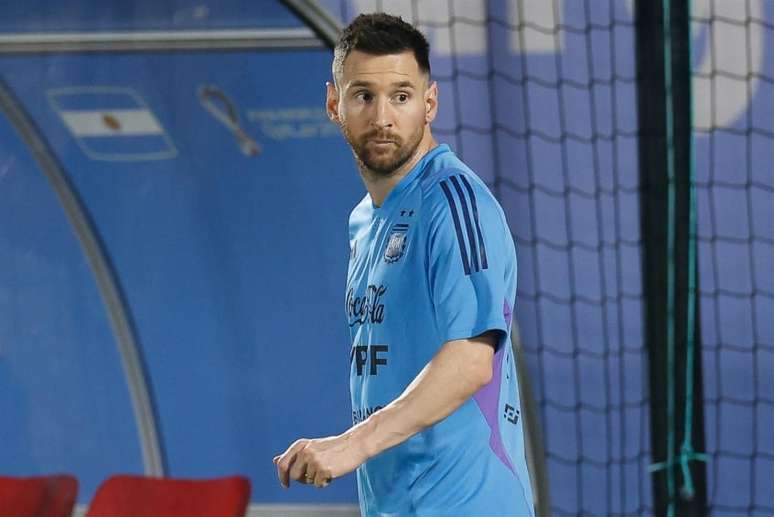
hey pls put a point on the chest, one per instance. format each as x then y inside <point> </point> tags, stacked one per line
<point>386,268</point>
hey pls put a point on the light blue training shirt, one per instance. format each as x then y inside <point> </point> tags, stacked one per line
<point>436,262</point>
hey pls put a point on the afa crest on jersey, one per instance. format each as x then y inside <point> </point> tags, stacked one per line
<point>396,244</point>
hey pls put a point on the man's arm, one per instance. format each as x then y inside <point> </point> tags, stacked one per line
<point>459,369</point>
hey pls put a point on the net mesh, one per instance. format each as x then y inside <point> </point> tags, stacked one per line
<point>539,99</point>
<point>733,131</point>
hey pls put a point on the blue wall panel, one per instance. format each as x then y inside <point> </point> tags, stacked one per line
<point>63,404</point>
<point>233,266</point>
<point>125,15</point>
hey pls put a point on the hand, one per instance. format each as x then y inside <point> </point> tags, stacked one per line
<point>317,462</point>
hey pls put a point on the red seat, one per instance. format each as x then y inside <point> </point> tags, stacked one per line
<point>135,496</point>
<point>38,496</point>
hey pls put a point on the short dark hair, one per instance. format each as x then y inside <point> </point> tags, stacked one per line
<point>381,34</point>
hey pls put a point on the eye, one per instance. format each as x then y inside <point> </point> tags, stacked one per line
<point>364,96</point>
<point>402,98</point>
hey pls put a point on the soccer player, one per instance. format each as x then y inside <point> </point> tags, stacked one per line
<point>430,290</point>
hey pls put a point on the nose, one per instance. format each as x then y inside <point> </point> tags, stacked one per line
<point>382,116</point>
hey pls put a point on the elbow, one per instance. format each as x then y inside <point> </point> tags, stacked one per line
<point>482,363</point>
<point>473,362</point>
<point>485,374</point>
<point>480,374</point>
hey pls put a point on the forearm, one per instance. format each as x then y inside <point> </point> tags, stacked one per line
<point>456,372</point>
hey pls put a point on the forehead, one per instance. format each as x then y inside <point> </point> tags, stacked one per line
<point>385,69</point>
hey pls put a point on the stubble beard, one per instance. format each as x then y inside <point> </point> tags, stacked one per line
<point>382,164</point>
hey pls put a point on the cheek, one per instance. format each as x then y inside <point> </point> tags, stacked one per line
<point>354,108</point>
<point>415,117</point>
<point>352,116</point>
<point>352,127</point>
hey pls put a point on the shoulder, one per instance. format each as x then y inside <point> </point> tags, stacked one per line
<point>456,191</point>
<point>360,216</point>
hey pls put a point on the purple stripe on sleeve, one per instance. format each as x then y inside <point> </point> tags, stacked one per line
<point>488,400</point>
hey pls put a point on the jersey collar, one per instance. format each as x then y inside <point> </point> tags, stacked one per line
<point>409,178</point>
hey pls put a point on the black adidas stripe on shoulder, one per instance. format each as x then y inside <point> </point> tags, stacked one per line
<point>481,244</point>
<point>474,247</point>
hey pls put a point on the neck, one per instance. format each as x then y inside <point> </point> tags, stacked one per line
<point>379,186</point>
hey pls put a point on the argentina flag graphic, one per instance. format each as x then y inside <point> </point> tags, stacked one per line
<point>112,123</point>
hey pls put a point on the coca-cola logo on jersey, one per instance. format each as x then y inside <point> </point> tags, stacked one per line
<point>366,308</point>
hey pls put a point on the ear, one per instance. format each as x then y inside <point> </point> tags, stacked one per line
<point>332,102</point>
<point>431,102</point>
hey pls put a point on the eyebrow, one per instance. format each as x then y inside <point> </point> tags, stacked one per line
<point>397,84</point>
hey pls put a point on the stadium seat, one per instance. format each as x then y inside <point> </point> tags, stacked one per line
<point>38,496</point>
<point>132,496</point>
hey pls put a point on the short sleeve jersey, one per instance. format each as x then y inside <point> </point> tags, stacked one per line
<point>436,262</point>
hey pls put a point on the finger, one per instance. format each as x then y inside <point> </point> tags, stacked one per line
<point>291,469</point>
<point>285,462</point>
<point>307,474</point>
<point>322,478</point>
<point>276,458</point>
<point>299,468</point>
<point>282,472</point>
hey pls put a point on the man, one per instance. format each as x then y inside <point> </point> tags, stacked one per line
<point>431,284</point>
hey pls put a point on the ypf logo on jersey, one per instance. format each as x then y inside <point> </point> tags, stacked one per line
<point>396,244</point>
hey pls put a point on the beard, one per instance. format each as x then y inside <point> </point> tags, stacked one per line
<point>383,161</point>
